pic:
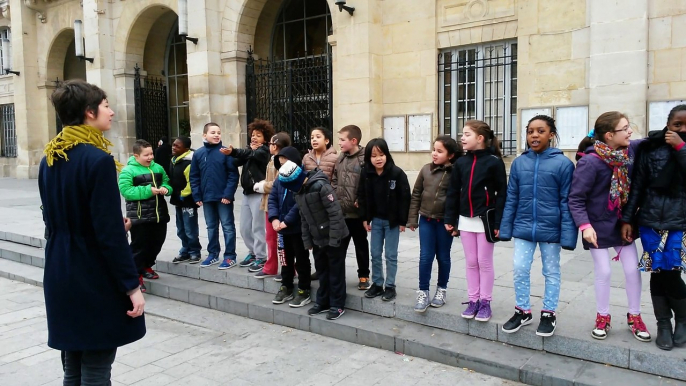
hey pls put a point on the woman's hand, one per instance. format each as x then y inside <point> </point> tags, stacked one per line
<point>367,226</point>
<point>590,236</point>
<point>497,233</point>
<point>449,227</point>
<point>138,302</point>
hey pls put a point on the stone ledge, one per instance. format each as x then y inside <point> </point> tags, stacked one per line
<point>211,290</point>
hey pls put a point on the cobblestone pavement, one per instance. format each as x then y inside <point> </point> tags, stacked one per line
<point>225,349</point>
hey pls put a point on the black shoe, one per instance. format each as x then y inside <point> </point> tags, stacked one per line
<point>374,291</point>
<point>317,309</point>
<point>314,276</point>
<point>388,294</point>
<point>194,260</point>
<point>335,313</point>
<point>547,325</point>
<point>181,259</point>
<point>519,319</point>
<point>301,300</point>
<point>663,315</point>
<point>679,308</point>
<point>283,295</point>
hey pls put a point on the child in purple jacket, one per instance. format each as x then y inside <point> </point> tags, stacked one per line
<point>600,188</point>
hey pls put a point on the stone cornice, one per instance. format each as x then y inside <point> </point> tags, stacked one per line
<point>39,6</point>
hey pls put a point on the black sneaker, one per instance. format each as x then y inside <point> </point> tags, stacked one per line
<point>194,260</point>
<point>374,291</point>
<point>388,294</point>
<point>301,300</point>
<point>519,319</point>
<point>547,325</point>
<point>317,309</point>
<point>181,259</point>
<point>283,295</point>
<point>335,313</point>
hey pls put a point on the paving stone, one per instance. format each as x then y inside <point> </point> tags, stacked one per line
<point>432,317</point>
<point>545,369</point>
<point>288,318</point>
<point>255,284</point>
<point>319,325</point>
<point>593,374</point>
<point>232,307</point>
<point>179,294</point>
<point>261,312</point>
<point>484,330</point>
<point>585,349</point>
<point>525,337</point>
<point>659,364</point>
<point>212,274</point>
<point>377,306</point>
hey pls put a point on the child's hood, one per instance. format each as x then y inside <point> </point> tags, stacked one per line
<point>132,162</point>
<point>550,152</point>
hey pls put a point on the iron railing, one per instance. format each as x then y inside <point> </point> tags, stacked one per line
<point>480,83</point>
<point>294,95</point>
<point>152,110</point>
<point>9,131</point>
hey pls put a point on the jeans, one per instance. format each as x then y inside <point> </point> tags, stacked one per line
<point>384,235</point>
<point>434,241</point>
<point>188,231</point>
<point>146,243</point>
<point>523,257</point>
<point>88,368</point>
<point>216,212</point>
<point>628,256</point>
<point>359,236</point>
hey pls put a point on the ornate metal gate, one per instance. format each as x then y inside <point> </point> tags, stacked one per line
<point>294,95</point>
<point>152,110</point>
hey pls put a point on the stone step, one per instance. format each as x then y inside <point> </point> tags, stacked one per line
<point>175,297</point>
<point>620,349</point>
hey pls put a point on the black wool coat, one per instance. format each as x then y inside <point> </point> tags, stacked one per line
<point>88,263</point>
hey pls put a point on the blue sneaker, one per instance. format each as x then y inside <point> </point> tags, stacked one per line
<point>227,263</point>
<point>248,260</point>
<point>211,260</point>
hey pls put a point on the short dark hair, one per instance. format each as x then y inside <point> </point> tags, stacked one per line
<point>73,98</point>
<point>675,110</point>
<point>383,146</point>
<point>139,145</point>
<point>327,135</point>
<point>207,126</point>
<point>353,132</point>
<point>264,127</point>
<point>185,141</point>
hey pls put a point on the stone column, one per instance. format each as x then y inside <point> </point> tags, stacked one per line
<point>618,75</point>
<point>29,102</point>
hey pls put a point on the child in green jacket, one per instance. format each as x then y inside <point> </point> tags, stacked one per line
<point>143,183</point>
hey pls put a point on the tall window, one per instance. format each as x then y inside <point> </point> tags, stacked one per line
<point>177,85</point>
<point>301,29</point>
<point>8,132</point>
<point>5,34</point>
<point>480,82</point>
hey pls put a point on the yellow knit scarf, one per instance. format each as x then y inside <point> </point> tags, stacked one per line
<point>75,135</point>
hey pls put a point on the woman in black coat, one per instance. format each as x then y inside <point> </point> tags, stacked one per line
<point>91,287</point>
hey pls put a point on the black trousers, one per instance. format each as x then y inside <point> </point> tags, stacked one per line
<point>330,264</point>
<point>359,236</point>
<point>88,368</point>
<point>146,243</point>
<point>667,283</point>
<point>297,258</point>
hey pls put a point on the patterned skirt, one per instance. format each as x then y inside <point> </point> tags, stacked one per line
<point>662,250</point>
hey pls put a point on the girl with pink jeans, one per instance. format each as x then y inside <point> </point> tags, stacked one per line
<point>474,208</point>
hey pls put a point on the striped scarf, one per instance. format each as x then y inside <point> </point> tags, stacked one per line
<point>76,135</point>
<point>619,161</point>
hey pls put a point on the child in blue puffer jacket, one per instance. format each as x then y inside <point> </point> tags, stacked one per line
<point>536,212</point>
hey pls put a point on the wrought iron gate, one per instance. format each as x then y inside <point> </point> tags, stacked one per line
<point>152,110</point>
<point>294,95</point>
<point>8,138</point>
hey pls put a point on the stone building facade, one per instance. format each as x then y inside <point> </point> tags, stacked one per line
<point>404,69</point>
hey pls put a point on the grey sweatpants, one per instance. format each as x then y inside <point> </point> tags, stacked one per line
<point>253,229</point>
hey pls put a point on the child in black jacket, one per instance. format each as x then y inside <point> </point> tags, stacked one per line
<point>323,228</point>
<point>384,197</point>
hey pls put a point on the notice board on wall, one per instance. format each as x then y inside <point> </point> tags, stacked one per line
<point>419,132</point>
<point>658,113</point>
<point>394,129</point>
<point>572,124</point>
<point>526,114</point>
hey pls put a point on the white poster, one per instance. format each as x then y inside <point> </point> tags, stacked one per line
<point>572,125</point>
<point>394,132</point>
<point>525,115</point>
<point>419,132</point>
<point>658,113</point>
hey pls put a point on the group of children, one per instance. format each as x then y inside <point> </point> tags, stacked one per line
<point>620,189</point>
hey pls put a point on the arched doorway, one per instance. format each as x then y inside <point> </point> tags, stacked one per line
<point>293,87</point>
<point>63,65</point>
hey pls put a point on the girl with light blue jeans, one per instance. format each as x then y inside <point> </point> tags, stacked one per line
<point>536,213</point>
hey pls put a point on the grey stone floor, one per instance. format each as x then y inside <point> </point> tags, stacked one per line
<point>222,349</point>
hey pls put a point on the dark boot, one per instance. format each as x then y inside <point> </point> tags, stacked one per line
<point>679,308</point>
<point>663,314</point>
